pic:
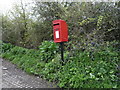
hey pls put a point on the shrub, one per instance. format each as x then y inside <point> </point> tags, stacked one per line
<point>6,46</point>
<point>47,50</point>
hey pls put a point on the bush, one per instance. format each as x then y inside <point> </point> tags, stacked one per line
<point>47,50</point>
<point>6,46</point>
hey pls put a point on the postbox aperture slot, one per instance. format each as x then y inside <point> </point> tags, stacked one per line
<point>55,24</point>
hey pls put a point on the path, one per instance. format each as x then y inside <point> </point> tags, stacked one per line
<point>12,77</point>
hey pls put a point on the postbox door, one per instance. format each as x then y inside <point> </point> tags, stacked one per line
<point>57,32</point>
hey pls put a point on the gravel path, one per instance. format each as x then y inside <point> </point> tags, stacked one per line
<point>12,77</point>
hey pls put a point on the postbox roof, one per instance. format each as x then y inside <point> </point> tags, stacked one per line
<point>57,21</point>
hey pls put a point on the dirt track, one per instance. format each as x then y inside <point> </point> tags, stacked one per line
<point>12,77</point>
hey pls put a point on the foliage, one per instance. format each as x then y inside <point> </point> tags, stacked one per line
<point>84,72</point>
<point>5,46</point>
<point>84,69</point>
<point>47,50</point>
<point>93,52</point>
<point>90,21</point>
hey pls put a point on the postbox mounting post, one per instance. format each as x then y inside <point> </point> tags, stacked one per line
<point>62,52</point>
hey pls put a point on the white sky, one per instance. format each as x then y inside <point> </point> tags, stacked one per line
<point>6,5</point>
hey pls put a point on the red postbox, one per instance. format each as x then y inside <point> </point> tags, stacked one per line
<point>60,31</point>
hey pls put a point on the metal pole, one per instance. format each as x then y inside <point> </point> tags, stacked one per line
<point>62,50</point>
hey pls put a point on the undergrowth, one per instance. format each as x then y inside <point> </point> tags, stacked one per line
<point>83,70</point>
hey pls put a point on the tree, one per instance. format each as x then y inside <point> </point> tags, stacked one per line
<point>20,21</point>
<point>7,30</point>
<point>88,23</point>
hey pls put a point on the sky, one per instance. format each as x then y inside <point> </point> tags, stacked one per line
<point>6,5</point>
